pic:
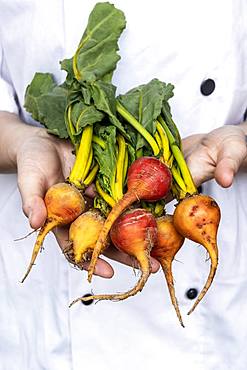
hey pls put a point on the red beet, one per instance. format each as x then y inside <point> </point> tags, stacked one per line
<point>148,179</point>
<point>134,233</point>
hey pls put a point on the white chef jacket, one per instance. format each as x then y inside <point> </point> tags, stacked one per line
<point>184,43</point>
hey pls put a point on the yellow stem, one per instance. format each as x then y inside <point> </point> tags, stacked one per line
<point>75,57</point>
<point>112,184</point>
<point>158,139</point>
<point>104,195</point>
<point>89,162</point>
<point>70,126</point>
<point>178,155</point>
<point>178,178</point>
<point>89,179</point>
<point>126,162</point>
<point>137,125</point>
<point>77,173</point>
<point>170,161</point>
<point>177,192</point>
<point>99,141</point>
<point>164,141</point>
<point>120,167</point>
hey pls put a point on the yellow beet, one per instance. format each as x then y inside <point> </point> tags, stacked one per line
<point>197,218</point>
<point>83,234</point>
<point>64,203</point>
<point>168,244</point>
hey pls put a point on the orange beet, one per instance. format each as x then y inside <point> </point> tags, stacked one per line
<point>64,203</point>
<point>197,218</point>
<point>148,179</point>
<point>168,244</point>
<point>134,233</point>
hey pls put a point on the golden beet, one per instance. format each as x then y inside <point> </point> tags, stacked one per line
<point>83,234</point>
<point>64,203</point>
<point>168,244</point>
<point>197,218</point>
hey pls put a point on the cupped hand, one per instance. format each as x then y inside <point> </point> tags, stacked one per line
<point>43,160</point>
<point>217,155</point>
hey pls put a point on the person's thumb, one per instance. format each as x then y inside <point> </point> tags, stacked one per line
<point>32,189</point>
<point>229,159</point>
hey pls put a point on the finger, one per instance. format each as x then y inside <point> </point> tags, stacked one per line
<point>200,173</point>
<point>38,213</point>
<point>125,259</point>
<point>32,190</point>
<point>225,171</point>
<point>229,159</point>
<point>102,269</point>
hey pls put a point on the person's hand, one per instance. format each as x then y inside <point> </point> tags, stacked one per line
<point>218,154</point>
<point>41,161</point>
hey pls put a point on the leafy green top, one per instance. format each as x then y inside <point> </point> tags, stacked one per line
<point>88,83</point>
<point>96,56</point>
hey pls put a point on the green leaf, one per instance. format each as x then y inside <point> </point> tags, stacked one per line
<point>86,94</point>
<point>46,101</point>
<point>166,114</point>
<point>106,158</point>
<point>103,95</point>
<point>67,66</point>
<point>83,115</point>
<point>168,91</point>
<point>144,102</point>
<point>96,56</point>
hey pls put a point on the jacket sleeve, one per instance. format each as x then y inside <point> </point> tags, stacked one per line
<point>7,93</point>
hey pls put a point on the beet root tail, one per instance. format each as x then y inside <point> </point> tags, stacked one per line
<point>48,226</point>
<point>146,271</point>
<point>167,269</point>
<point>213,254</point>
<point>116,211</point>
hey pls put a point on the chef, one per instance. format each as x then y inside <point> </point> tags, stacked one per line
<point>201,48</point>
